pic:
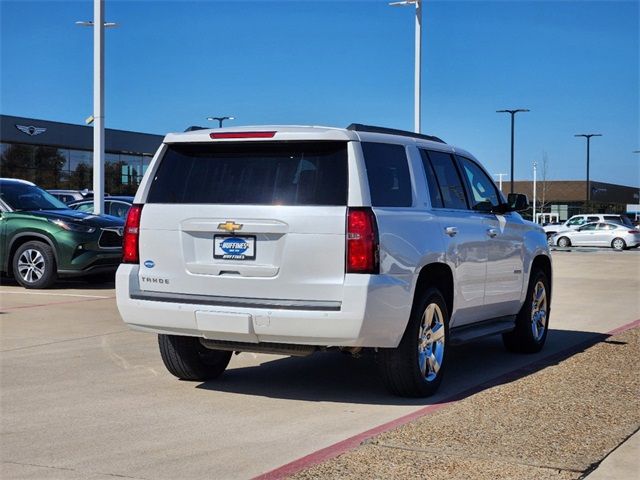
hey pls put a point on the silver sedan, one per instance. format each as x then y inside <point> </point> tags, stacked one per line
<point>598,234</point>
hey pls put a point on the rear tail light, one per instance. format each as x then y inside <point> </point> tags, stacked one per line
<point>130,241</point>
<point>362,241</point>
<point>222,135</point>
<point>634,231</point>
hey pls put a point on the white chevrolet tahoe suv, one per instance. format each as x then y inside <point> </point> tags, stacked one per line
<point>291,240</point>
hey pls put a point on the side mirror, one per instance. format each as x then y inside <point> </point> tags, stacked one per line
<point>484,207</point>
<point>517,202</point>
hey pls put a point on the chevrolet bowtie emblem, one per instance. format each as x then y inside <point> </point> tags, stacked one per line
<point>230,226</point>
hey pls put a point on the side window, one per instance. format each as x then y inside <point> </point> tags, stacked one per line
<point>575,221</point>
<point>388,174</point>
<point>483,191</point>
<point>85,207</point>
<point>451,188</point>
<point>588,227</point>
<point>592,219</point>
<point>432,182</point>
<point>119,209</point>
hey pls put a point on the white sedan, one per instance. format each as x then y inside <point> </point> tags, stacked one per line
<point>598,234</point>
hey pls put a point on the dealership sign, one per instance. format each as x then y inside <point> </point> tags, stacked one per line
<point>31,130</point>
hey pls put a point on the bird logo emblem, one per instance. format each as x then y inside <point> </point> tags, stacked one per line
<point>31,130</point>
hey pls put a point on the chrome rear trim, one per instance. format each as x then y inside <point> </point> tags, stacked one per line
<point>217,301</point>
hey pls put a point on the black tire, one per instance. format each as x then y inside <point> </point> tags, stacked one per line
<point>564,242</point>
<point>400,368</point>
<point>187,359</point>
<point>34,265</point>
<point>523,339</point>
<point>618,244</point>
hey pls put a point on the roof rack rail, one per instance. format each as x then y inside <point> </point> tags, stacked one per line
<point>359,127</point>
<point>193,128</point>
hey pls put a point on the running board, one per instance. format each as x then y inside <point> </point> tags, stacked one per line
<point>494,326</point>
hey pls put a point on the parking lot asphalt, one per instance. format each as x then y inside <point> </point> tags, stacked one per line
<point>83,397</point>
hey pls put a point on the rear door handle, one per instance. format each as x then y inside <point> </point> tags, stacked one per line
<point>492,232</point>
<point>451,231</point>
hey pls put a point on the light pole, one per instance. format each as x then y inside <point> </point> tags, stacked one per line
<point>220,120</point>
<point>535,173</point>
<point>588,137</point>
<point>418,60</point>
<point>98,25</point>
<point>500,175</point>
<point>513,115</point>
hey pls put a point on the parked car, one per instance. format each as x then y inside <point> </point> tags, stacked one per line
<point>41,238</point>
<point>599,234</point>
<point>68,196</point>
<point>576,221</point>
<point>117,206</point>
<point>291,240</point>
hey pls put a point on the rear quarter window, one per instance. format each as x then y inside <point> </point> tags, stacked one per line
<point>256,173</point>
<point>388,174</point>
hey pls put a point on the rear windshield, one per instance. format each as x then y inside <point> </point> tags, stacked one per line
<point>619,219</point>
<point>260,173</point>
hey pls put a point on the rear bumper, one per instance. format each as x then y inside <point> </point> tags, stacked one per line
<point>373,313</point>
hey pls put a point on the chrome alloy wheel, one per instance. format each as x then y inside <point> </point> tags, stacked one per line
<point>431,342</point>
<point>618,244</point>
<point>31,265</point>
<point>539,311</point>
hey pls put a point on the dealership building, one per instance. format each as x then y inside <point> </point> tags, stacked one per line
<point>567,197</point>
<point>60,155</point>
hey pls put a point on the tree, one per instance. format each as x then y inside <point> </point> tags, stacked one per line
<point>48,164</point>
<point>81,177</point>
<point>544,172</point>
<point>17,162</point>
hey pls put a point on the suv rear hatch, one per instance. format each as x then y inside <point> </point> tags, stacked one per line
<point>247,220</point>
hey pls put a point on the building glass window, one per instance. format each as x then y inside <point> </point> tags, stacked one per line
<point>111,158</point>
<point>61,168</point>
<point>80,169</point>
<point>146,161</point>
<point>41,165</point>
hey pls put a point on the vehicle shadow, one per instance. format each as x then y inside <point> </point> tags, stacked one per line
<point>337,377</point>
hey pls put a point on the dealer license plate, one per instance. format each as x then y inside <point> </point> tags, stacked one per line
<point>234,247</point>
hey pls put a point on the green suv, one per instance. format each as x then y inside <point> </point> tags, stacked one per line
<point>41,238</point>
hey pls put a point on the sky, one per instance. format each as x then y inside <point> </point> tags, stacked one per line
<point>170,64</point>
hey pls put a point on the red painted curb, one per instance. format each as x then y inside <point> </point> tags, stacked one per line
<point>624,328</point>
<point>353,442</point>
